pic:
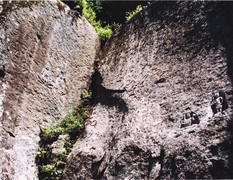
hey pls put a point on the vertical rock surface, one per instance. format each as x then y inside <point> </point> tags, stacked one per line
<point>46,60</point>
<point>170,59</point>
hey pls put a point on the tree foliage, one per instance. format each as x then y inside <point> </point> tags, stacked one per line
<point>88,12</point>
<point>131,14</point>
<point>107,16</point>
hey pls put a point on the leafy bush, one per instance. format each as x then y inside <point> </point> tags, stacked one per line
<point>115,26</point>
<point>50,172</point>
<point>130,15</point>
<point>86,96</point>
<point>50,133</point>
<point>51,165</point>
<point>47,168</point>
<point>104,32</point>
<point>73,122</point>
<point>88,12</point>
<point>41,152</point>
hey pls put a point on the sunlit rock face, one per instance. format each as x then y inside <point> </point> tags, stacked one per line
<point>46,60</point>
<point>156,112</point>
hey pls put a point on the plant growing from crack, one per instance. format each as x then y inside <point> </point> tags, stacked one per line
<point>130,15</point>
<point>51,164</point>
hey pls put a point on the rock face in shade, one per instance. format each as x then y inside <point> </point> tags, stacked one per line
<point>170,58</point>
<point>46,60</point>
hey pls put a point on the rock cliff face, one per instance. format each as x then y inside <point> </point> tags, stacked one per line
<point>155,114</point>
<point>46,60</point>
<point>160,84</point>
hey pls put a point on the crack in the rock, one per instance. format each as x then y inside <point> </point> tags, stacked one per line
<point>95,169</point>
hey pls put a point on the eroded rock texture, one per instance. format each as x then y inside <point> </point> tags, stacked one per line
<point>170,58</point>
<point>46,60</point>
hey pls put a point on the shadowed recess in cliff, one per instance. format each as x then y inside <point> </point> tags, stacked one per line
<point>221,27</point>
<point>154,172</point>
<point>96,174</point>
<point>104,96</point>
<point>2,73</point>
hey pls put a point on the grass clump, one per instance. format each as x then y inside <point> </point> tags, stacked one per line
<point>51,161</point>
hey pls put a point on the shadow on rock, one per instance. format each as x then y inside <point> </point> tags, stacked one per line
<point>104,96</point>
<point>221,27</point>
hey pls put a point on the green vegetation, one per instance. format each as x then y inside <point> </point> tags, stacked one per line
<point>51,164</point>
<point>130,15</point>
<point>115,11</point>
<point>88,12</point>
<point>107,16</point>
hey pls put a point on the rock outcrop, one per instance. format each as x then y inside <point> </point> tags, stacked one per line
<point>46,60</point>
<point>158,71</point>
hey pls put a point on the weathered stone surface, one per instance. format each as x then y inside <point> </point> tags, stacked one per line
<point>171,57</point>
<point>46,60</point>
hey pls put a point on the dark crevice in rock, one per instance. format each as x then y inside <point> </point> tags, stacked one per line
<point>173,168</point>
<point>104,96</point>
<point>152,161</point>
<point>161,80</point>
<point>214,150</point>
<point>117,169</point>
<point>38,38</point>
<point>218,168</point>
<point>189,175</point>
<point>162,155</point>
<point>2,73</point>
<point>101,173</point>
<point>96,174</point>
<point>10,133</point>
